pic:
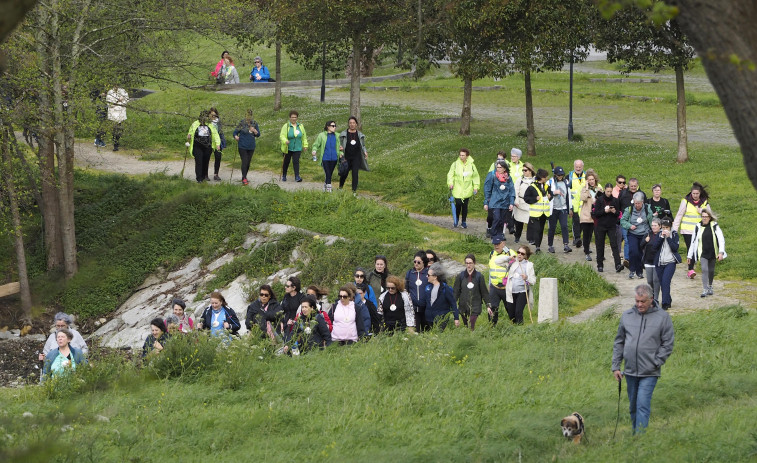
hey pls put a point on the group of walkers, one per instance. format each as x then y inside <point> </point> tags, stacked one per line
<point>346,149</point>
<point>517,194</point>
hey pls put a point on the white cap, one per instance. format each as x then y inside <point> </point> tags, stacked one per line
<point>516,152</point>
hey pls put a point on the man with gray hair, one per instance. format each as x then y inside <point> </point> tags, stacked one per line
<point>63,321</point>
<point>645,341</point>
<point>636,223</point>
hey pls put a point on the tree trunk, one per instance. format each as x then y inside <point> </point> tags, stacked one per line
<point>50,206</point>
<point>465,116</point>
<point>683,148</point>
<point>724,36</point>
<point>531,145</point>
<point>355,77</point>
<point>65,164</point>
<point>277,85</point>
<point>23,277</point>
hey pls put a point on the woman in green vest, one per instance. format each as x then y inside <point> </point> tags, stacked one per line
<point>293,140</point>
<point>463,180</point>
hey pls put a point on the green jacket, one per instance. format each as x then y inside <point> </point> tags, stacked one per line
<point>216,139</point>
<point>319,145</point>
<point>284,136</point>
<point>463,178</point>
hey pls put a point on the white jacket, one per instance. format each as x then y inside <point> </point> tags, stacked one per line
<point>117,98</point>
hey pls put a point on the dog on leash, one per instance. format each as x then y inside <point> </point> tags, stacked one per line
<point>573,427</point>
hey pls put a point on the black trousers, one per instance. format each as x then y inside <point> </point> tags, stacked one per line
<point>246,157</point>
<point>294,158</point>
<point>354,164</point>
<point>202,160</point>
<point>687,240</point>
<point>515,310</point>
<point>518,230</point>
<point>600,233</point>
<point>217,163</point>
<point>586,230</point>
<point>537,224</point>
<point>495,296</point>
<point>461,205</point>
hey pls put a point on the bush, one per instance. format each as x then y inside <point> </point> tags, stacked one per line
<point>97,375</point>
<point>186,357</point>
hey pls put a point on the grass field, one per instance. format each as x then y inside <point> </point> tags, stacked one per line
<point>493,395</point>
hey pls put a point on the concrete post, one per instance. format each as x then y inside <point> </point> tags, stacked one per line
<point>548,300</point>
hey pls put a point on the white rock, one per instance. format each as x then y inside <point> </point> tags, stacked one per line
<point>129,337</point>
<point>331,239</point>
<point>223,260</point>
<point>142,296</point>
<point>149,281</point>
<point>6,335</point>
<point>236,298</point>
<point>250,240</point>
<point>103,320</point>
<point>103,419</point>
<point>189,270</point>
<point>28,415</point>
<point>275,228</point>
<point>16,332</point>
<point>109,327</point>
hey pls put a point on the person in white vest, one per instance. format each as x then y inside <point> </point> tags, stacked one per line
<point>117,98</point>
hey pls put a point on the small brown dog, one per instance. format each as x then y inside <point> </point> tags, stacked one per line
<point>573,426</point>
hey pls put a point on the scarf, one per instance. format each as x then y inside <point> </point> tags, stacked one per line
<point>501,177</point>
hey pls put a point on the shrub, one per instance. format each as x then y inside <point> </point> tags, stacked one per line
<point>186,357</point>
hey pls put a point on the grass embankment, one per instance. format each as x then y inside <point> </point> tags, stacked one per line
<point>492,395</point>
<point>409,164</point>
<point>129,227</point>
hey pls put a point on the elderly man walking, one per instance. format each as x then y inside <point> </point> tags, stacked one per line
<point>645,341</point>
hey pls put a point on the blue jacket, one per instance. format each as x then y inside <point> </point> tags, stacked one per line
<point>265,74</point>
<point>77,355</point>
<point>363,313</point>
<point>444,303</point>
<point>416,291</point>
<point>657,241</point>
<point>246,139</point>
<point>495,196</point>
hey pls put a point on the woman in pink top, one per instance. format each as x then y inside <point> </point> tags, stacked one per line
<point>348,327</point>
<point>224,55</point>
<point>186,324</point>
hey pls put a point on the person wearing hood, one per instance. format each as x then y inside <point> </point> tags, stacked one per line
<point>707,246</point>
<point>644,341</point>
<point>560,208</point>
<point>463,181</point>
<point>689,214</point>
<point>499,196</point>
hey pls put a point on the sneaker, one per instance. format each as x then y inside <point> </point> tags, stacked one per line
<point>666,306</point>
<point>578,243</point>
<point>298,179</point>
<point>619,268</point>
<point>704,294</point>
<point>488,232</point>
<point>551,249</point>
<point>588,258</point>
<point>538,250</point>
<point>245,181</point>
<point>216,178</point>
<point>639,276</point>
<point>454,222</point>
<point>626,264</point>
<point>567,249</point>
<point>709,291</point>
<point>631,276</point>
<point>115,148</point>
<point>464,225</point>
<point>600,269</point>
<point>315,158</point>
<point>517,240</point>
<point>283,178</point>
<point>691,274</point>
<point>207,179</point>
<point>328,188</point>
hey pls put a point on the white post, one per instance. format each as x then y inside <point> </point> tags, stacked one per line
<point>548,300</point>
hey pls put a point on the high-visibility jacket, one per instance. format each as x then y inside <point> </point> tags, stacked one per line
<point>516,170</point>
<point>576,185</point>
<point>692,217</point>
<point>541,206</point>
<point>498,273</point>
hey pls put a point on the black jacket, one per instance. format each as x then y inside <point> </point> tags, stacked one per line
<point>289,306</point>
<point>310,332</point>
<point>531,197</point>
<point>231,318</point>
<point>626,198</point>
<point>257,316</point>
<point>606,220</point>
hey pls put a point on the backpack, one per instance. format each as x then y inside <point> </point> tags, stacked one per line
<point>328,319</point>
<point>202,135</point>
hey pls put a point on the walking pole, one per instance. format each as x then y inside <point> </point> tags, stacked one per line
<point>186,153</point>
<point>528,301</point>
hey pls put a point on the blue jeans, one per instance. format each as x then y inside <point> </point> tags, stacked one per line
<point>498,222</point>
<point>665,275</point>
<point>622,234</point>
<point>640,389</point>
<point>635,253</point>
<point>562,216</point>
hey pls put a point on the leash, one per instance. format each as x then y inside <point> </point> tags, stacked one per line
<point>620,386</point>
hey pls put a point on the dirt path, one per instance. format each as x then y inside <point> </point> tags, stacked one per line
<point>685,292</point>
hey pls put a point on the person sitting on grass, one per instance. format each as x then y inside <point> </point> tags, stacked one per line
<point>64,358</point>
<point>156,340</point>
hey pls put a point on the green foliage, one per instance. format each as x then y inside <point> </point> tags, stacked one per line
<point>185,357</point>
<point>99,375</point>
<point>491,395</point>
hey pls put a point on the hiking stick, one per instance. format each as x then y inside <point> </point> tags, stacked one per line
<point>528,301</point>
<point>186,153</point>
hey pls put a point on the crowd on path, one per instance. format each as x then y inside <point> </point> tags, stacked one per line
<point>517,195</point>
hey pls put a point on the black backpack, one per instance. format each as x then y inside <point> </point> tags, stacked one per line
<point>203,135</point>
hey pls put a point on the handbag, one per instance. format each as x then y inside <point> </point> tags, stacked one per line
<point>344,167</point>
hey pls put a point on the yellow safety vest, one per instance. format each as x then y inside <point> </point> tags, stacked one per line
<point>497,274</point>
<point>692,216</point>
<point>577,185</point>
<point>516,170</point>
<point>540,207</point>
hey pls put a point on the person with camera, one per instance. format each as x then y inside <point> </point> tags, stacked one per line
<point>606,212</point>
<point>660,206</point>
<point>665,248</point>
<point>707,247</point>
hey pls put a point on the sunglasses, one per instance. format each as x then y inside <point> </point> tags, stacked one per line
<point>520,253</point>
<point>417,261</point>
<point>621,183</point>
<point>289,286</point>
<point>264,295</point>
<point>359,275</point>
<point>391,287</point>
<point>332,125</point>
<point>344,296</point>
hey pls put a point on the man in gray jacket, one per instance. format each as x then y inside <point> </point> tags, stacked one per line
<point>645,341</point>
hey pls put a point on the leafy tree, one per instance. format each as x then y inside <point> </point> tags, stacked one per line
<point>633,38</point>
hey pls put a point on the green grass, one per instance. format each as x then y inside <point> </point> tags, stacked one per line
<point>491,395</point>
